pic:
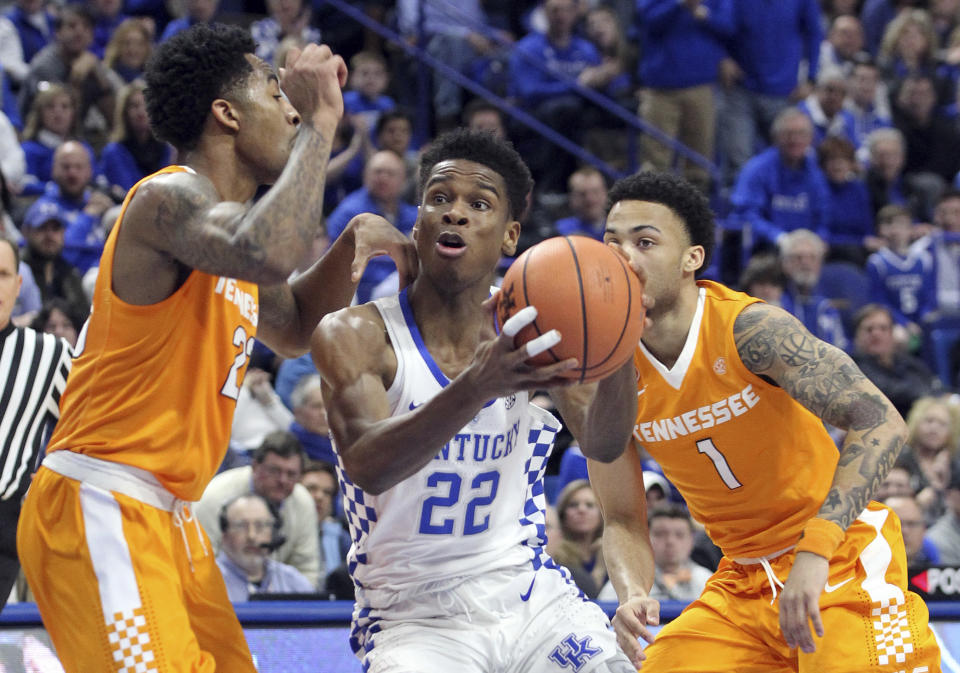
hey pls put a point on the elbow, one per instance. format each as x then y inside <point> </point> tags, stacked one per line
<point>604,453</point>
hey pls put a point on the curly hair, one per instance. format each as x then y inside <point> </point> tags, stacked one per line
<point>483,148</point>
<point>188,72</point>
<point>686,201</point>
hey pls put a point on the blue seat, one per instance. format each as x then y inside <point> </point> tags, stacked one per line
<point>846,285</point>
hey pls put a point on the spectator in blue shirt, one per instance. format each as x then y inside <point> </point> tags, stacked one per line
<point>197,11</point>
<point>844,42</point>
<point>107,14</point>
<point>250,530</point>
<point>868,102</point>
<point>133,152</point>
<point>850,231</point>
<point>34,25</point>
<point>782,188</point>
<point>587,194</point>
<point>382,186</point>
<point>679,64</point>
<point>770,41</point>
<point>901,276</point>
<point>541,68</point>
<point>366,98</point>
<point>825,107</point>
<point>802,253</point>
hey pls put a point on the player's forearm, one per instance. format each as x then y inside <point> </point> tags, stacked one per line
<point>610,417</point>
<point>869,450</point>
<point>388,451</point>
<point>629,558</point>
<point>284,222</point>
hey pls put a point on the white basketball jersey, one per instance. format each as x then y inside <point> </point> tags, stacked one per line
<point>477,506</point>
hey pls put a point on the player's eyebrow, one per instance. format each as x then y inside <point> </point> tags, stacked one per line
<point>440,179</point>
<point>634,230</point>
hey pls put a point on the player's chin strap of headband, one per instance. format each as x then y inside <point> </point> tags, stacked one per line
<point>182,514</point>
<point>764,562</point>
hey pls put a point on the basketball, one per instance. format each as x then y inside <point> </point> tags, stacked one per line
<point>584,290</point>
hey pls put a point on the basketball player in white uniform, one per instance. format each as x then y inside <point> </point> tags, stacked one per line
<point>441,455</point>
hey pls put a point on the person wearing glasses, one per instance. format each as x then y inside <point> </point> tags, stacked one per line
<point>250,530</point>
<point>274,475</point>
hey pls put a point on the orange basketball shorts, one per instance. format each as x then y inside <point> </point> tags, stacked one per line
<point>121,587</point>
<point>872,624</point>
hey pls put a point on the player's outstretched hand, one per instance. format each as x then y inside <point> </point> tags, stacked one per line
<point>800,600</point>
<point>500,368</point>
<point>630,624</point>
<point>312,80</point>
<point>374,236</point>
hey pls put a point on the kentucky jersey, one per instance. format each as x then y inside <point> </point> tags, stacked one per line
<point>155,387</point>
<point>478,506</point>
<point>753,464</point>
<point>906,285</point>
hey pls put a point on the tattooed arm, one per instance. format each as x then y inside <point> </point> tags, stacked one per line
<point>776,346</point>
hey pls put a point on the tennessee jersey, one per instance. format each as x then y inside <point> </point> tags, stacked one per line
<point>155,387</point>
<point>753,464</point>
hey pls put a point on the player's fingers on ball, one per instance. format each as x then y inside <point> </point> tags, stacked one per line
<point>542,343</point>
<point>519,320</point>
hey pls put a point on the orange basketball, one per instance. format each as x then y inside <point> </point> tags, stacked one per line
<point>584,290</point>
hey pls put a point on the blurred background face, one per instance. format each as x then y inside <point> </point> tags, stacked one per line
<point>47,239</point>
<point>838,169</point>
<point>912,42</point>
<point>863,85</point>
<point>384,176</point>
<point>846,36</point>
<point>57,115</point>
<point>323,489</point>
<point>917,97</point>
<point>803,263</point>
<point>588,196</point>
<point>136,112</point>
<point>71,169</point>
<point>134,49</point>
<point>370,79</point>
<point>886,157</point>
<point>875,335</point>
<point>602,29</point>
<point>552,530</point>
<point>285,11</point>
<point>794,138</point>
<point>249,525</point>
<point>107,7</point>
<point>896,483</point>
<point>74,35</point>
<point>671,540</point>
<point>276,476</point>
<point>395,136</point>
<point>933,428</point>
<point>911,522</point>
<point>202,11</point>
<point>59,324</point>
<point>581,516</point>
<point>489,121</point>
<point>947,215</point>
<point>896,232</point>
<point>831,95</point>
<point>561,17</point>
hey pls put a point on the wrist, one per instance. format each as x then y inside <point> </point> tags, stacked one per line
<point>821,537</point>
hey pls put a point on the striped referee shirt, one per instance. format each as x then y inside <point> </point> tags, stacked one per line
<point>33,373</point>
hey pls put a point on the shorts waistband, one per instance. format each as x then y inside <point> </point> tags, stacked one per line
<point>131,481</point>
<point>751,560</point>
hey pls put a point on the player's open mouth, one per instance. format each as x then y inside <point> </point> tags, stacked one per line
<point>450,244</point>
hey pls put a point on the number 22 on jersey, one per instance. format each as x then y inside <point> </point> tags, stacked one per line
<point>231,387</point>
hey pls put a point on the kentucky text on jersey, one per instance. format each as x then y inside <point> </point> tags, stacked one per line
<point>480,447</point>
<point>243,300</point>
<point>699,419</point>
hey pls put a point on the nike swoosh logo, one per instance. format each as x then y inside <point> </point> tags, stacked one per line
<point>525,597</point>
<point>830,588</point>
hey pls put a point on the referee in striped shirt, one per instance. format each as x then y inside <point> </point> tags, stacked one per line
<point>33,372</point>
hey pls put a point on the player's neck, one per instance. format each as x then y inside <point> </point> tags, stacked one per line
<point>449,318</point>
<point>666,337</point>
<point>228,175</point>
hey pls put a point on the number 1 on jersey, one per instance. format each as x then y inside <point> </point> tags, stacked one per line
<point>723,469</point>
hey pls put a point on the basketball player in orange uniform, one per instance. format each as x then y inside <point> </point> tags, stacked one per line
<point>733,395</point>
<point>123,574</point>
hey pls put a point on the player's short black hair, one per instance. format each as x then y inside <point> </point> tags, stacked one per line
<point>188,72</point>
<point>483,148</point>
<point>686,201</point>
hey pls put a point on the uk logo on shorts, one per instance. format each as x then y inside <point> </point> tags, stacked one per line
<point>573,652</point>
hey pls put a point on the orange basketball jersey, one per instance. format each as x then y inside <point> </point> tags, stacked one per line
<point>156,386</point>
<point>753,464</point>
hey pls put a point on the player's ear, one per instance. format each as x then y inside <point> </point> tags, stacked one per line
<point>416,226</point>
<point>226,114</point>
<point>510,238</point>
<point>693,258</point>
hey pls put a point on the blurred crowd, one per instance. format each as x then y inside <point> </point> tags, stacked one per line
<point>827,135</point>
